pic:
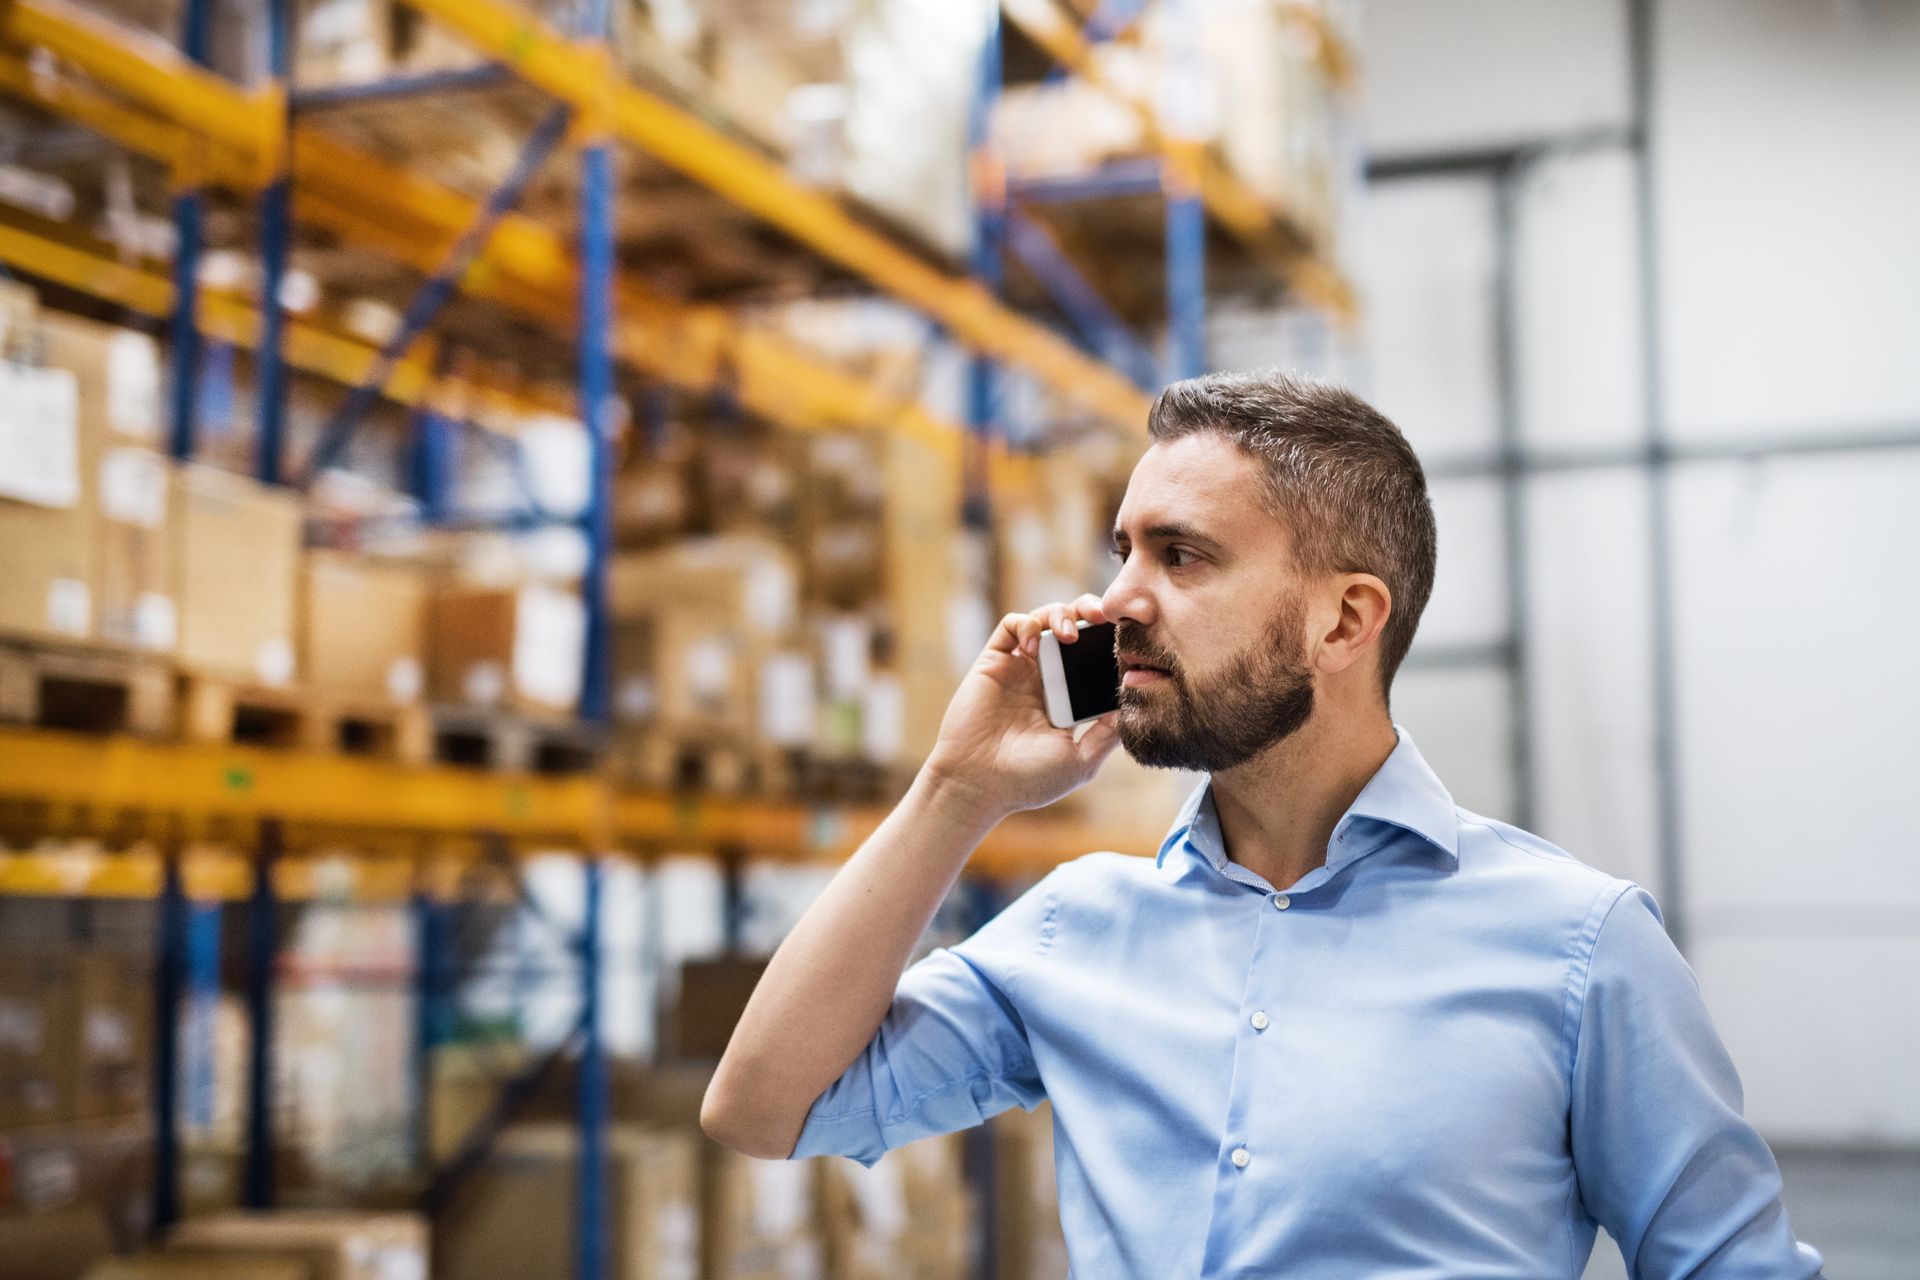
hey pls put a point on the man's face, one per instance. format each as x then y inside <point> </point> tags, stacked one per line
<point>1207,598</point>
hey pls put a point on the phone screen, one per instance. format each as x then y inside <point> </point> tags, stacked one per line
<point>1093,673</point>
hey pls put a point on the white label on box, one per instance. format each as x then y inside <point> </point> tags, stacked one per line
<point>845,644</point>
<point>39,436</point>
<point>398,1262</point>
<point>105,1033</point>
<point>273,662</point>
<point>404,680</point>
<point>133,487</point>
<point>549,644</point>
<point>677,1241</point>
<point>156,624</point>
<point>46,1177</point>
<point>708,669</point>
<point>787,700</point>
<point>779,1195</point>
<point>22,1027</point>
<point>883,720</point>
<point>970,624</point>
<point>635,700</point>
<point>133,386</point>
<point>485,684</point>
<point>771,596</point>
<point>69,607</point>
<point>881,1197</point>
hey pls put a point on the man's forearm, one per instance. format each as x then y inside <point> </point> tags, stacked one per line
<point>830,983</point>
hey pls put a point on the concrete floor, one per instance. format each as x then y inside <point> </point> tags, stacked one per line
<point>1861,1210</point>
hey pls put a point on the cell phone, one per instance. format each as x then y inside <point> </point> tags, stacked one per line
<point>1082,679</point>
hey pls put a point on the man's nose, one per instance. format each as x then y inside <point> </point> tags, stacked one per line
<point>1126,597</point>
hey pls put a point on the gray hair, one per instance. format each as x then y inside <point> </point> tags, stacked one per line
<point>1338,474</point>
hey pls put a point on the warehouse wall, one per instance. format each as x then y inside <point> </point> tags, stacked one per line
<point>1788,302</point>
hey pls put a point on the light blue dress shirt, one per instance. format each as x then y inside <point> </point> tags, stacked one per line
<point>1452,1051</point>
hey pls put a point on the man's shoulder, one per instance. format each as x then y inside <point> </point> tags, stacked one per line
<point>1488,845</point>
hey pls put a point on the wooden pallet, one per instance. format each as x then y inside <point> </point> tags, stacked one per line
<point>664,761</point>
<point>513,741</point>
<point>87,688</point>
<point>214,709</point>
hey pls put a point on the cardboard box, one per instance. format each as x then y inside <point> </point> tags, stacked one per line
<point>196,1266</point>
<point>19,320</point>
<point>46,543</point>
<point>327,1245</point>
<point>760,1218</point>
<point>38,1037</point>
<point>236,570</point>
<point>54,1167</point>
<point>363,627</point>
<point>515,1219</point>
<point>113,1028</point>
<point>123,475</point>
<point>1028,1242</point>
<point>910,1215</point>
<point>506,647</point>
<point>61,1245</point>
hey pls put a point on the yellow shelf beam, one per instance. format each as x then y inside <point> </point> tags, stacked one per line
<point>186,787</point>
<point>579,73</point>
<point>525,265</point>
<point>1267,232</point>
<point>90,269</point>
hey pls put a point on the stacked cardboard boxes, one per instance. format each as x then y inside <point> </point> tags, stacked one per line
<point>515,1218</point>
<point>761,1218</point>
<point>324,1245</point>
<point>909,1217</point>
<point>516,647</point>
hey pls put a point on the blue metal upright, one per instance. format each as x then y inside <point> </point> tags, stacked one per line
<point>197,1050</point>
<point>433,1012</point>
<point>596,405</point>
<point>263,941</point>
<point>1186,277</point>
<point>188,213</point>
<point>596,382</point>
<point>437,291</point>
<point>590,1256</point>
<point>987,262</point>
<point>276,234</point>
<point>170,964</point>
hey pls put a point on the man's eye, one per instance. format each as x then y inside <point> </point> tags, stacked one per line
<point>1178,551</point>
<point>1117,554</point>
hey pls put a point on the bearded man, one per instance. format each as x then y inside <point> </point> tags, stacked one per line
<point>1339,1026</point>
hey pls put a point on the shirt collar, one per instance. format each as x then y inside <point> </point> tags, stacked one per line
<point>1404,792</point>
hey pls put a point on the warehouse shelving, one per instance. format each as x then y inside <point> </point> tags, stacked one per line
<point>273,150</point>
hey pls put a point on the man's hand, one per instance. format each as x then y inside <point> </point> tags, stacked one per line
<point>996,742</point>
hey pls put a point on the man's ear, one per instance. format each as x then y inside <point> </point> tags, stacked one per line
<point>1361,610</point>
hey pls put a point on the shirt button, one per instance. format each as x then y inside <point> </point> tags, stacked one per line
<point>1240,1157</point>
<point>1281,902</point>
<point>1261,1021</point>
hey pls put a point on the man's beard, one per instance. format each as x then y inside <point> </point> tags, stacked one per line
<point>1258,698</point>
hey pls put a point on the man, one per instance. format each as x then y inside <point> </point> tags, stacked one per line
<point>1340,1026</point>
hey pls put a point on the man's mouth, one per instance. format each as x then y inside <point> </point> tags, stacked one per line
<point>1134,673</point>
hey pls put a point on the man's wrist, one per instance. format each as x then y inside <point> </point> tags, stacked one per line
<point>957,801</point>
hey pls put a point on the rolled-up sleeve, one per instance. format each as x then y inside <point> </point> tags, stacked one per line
<point>951,1052</point>
<point>1666,1161</point>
